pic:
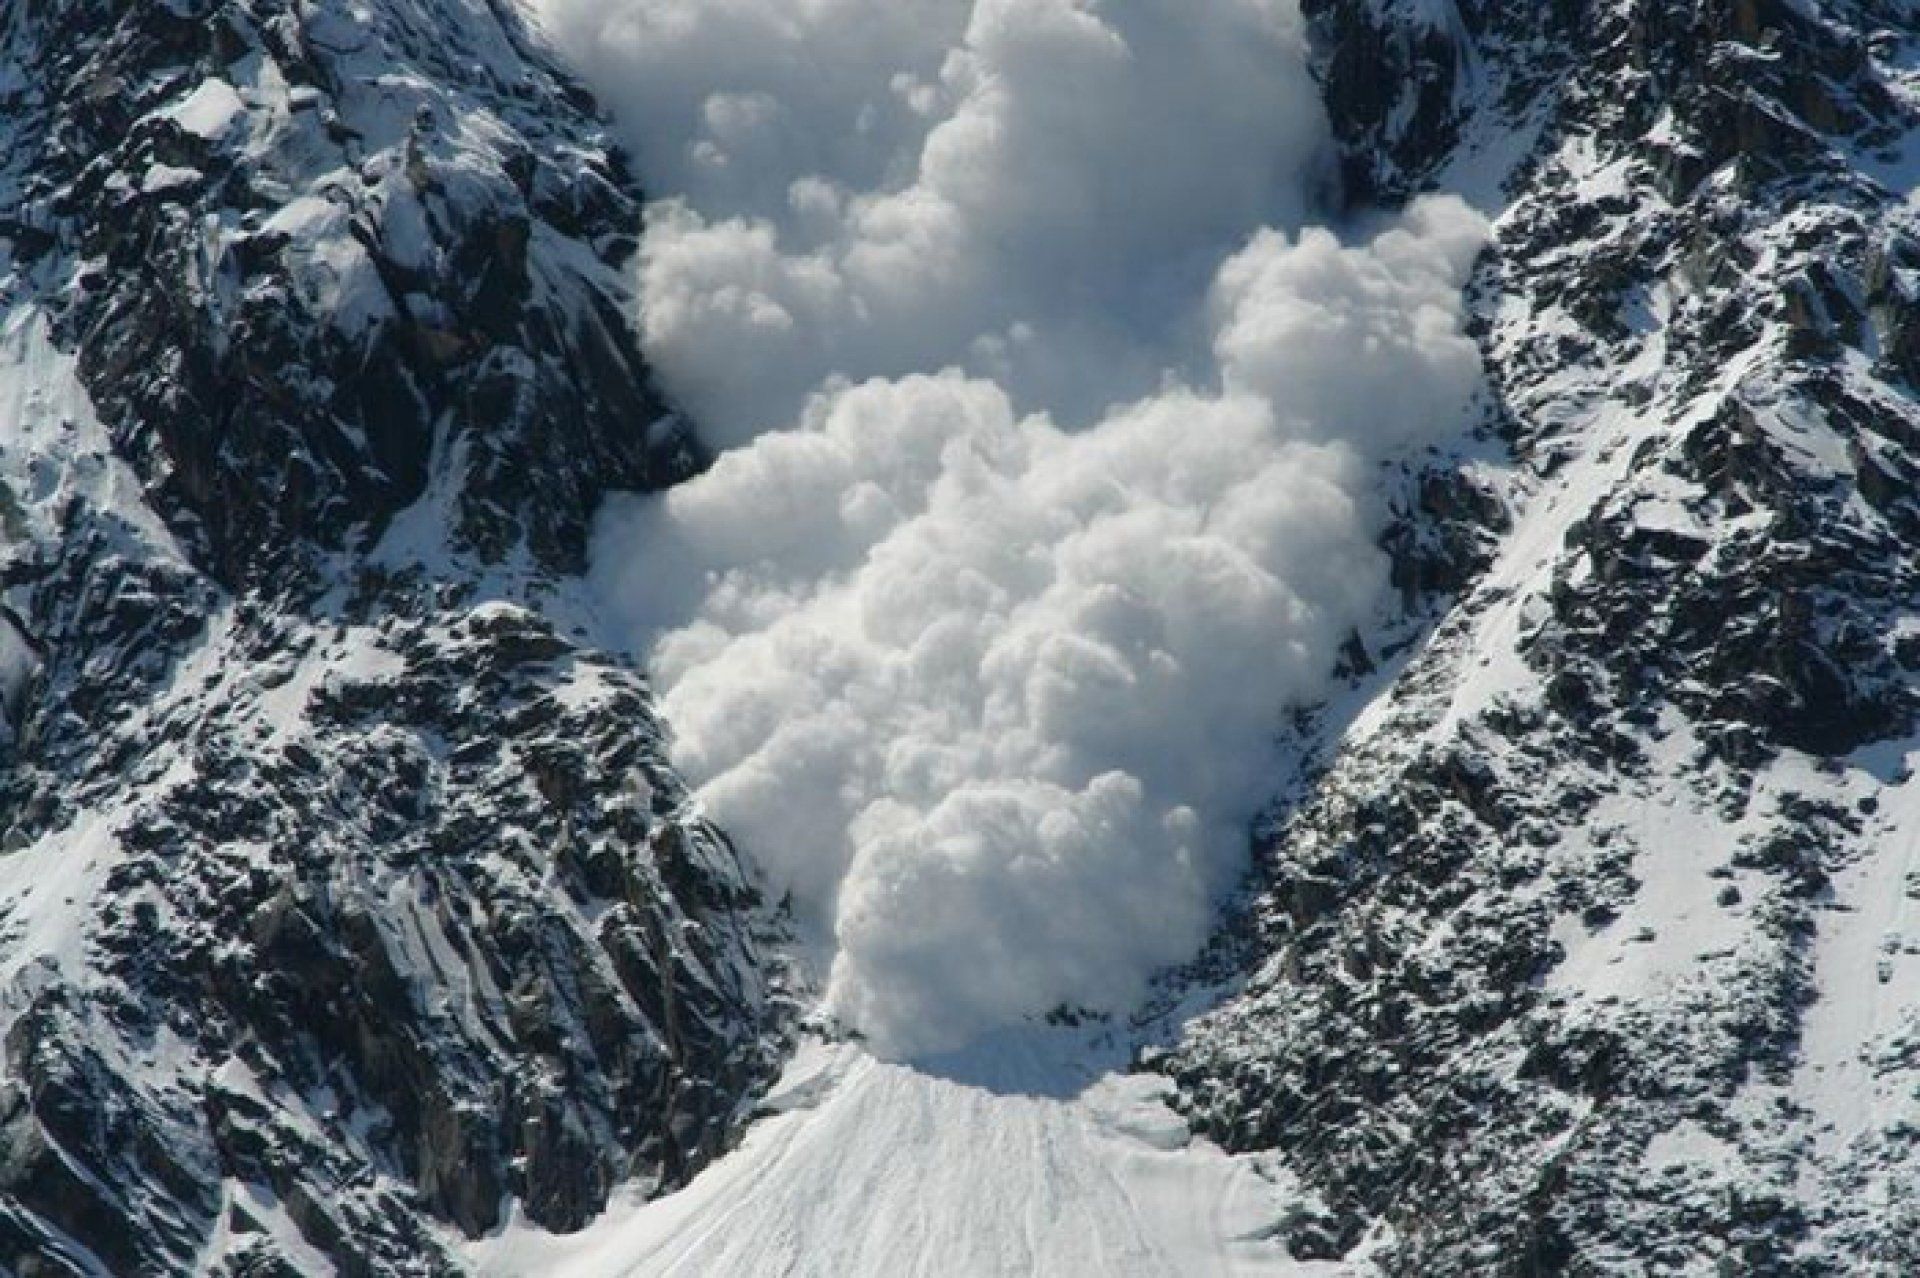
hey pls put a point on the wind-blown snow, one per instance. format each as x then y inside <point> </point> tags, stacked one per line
<point>1034,190</point>
<point>1054,437</point>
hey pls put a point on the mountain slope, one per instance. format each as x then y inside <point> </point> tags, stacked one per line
<point>347,894</point>
<point>1584,952</point>
<point>1029,1154</point>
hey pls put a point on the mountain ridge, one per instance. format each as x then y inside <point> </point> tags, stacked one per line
<point>350,893</point>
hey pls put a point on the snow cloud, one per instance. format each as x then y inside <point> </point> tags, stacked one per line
<point>1052,435</point>
<point>1033,190</point>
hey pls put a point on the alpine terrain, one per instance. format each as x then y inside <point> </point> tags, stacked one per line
<point>959,637</point>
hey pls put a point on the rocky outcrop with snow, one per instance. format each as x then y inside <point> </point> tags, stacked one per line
<point>347,898</point>
<point>1586,949</point>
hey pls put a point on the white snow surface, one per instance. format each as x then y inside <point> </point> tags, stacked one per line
<point>210,110</point>
<point>1856,1075</point>
<point>1016,1156</point>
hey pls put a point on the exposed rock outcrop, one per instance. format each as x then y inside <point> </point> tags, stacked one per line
<point>1581,952</point>
<point>349,899</point>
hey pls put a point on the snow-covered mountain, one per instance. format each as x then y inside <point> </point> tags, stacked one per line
<point>354,919</point>
<point>346,894</point>
<point>1586,949</point>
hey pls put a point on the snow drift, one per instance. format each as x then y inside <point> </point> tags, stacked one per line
<point>1053,441</point>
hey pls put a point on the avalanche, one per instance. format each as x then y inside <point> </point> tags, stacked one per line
<point>978,638</point>
<point>1053,432</point>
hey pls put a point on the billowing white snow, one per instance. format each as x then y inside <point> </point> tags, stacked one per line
<point>1056,440</point>
<point>995,698</point>
<point>1014,1157</point>
<point>1035,191</point>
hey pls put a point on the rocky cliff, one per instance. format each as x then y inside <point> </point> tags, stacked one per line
<point>1583,946</point>
<point>347,896</point>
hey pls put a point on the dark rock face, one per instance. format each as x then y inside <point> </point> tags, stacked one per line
<point>1408,82</point>
<point>1549,969</point>
<point>404,245</point>
<point>458,898</point>
<point>348,897</point>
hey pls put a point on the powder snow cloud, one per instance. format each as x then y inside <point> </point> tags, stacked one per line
<point>1031,189</point>
<point>1053,433</point>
